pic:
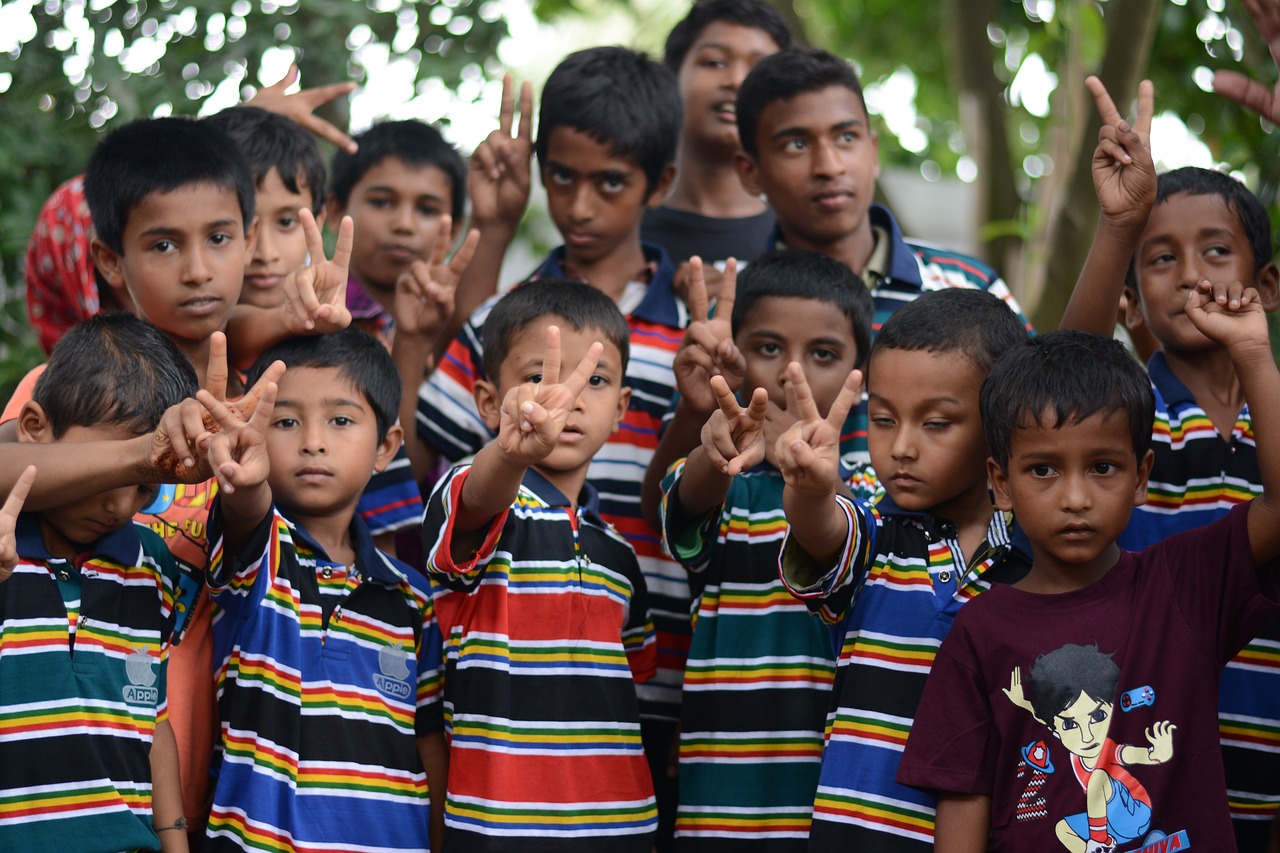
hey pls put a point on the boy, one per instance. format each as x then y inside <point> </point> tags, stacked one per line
<point>760,668</point>
<point>289,175</point>
<point>1068,418</point>
<point>708,213</point>
<point>1161,236</point>
<point>607,134</point>
<point>87,755</point>
<point>892,576</point>
<point>328,657</point>
<point>542,602</point>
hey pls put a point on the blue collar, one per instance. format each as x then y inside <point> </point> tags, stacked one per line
<point>588,498</point>
<point>372,562</point>
<point>903,268</point>
<point>1171,389</point>
<point>1000,532</point>
<point>659,304</point>
<point>121,546</point>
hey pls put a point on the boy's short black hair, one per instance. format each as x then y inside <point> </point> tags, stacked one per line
<point>1074,375</point>
<point>360,358</point>
<point>414,143</point>
<point>113,369</point>
<point>971,322</point>
<point>620,98</point>
<point>160,155</point>
<point>755,14</point>
<point>580,305</point>
<point>783,76</point>
<point>807,275</point>
<point>1059,677</point>
<point>270,141</point>
<point>1251,212</point>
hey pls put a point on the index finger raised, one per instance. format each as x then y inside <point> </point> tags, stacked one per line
<point>525,129</point>
<point>799,393</point>
<point>507,108</point>
<point>581,375</point>
<point>1102,99</point>
<point>226,417</point>
<point>18,494</point>
<point>551,357</point>
<point>1146,109</point>
<point>342,252</point>
<point>728,290</point>
<point>845,400</point>
<point>697,292</point>
<point>215,377</point>
<point>724,397</point>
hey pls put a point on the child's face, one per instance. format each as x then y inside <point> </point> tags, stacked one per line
<point>1082,726</point>
<point>282,246</point>
<point>779,330</point>
<point>396,208</point>
<point>184,259</point>
<point>323,443</point>
<point>1072,489</point>
<point>70,529</point>
<point>1189,238</point>
<point>818,162</point>
<point>713,69</point>
<point>924,431</point>
<point>596,198</point>
<point>600,407</point>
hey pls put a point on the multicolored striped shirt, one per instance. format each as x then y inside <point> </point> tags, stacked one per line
<point>449,421</point>
<point>546,632</point>
<point>758,682</point>
<point>83,649</point>
<point>326,674</point>
<point>1197,476</point>
<point>890,599</point>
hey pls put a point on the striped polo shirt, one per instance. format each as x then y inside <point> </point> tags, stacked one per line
<point>1197,476</point>
<point>83,649</point>
<point>546,632</point>
<point>326,674</point>
<point>890,599</point>
<point>758,682</point>
<point>449,421</point>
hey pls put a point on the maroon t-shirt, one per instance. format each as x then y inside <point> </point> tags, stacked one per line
<point>1170,618</point>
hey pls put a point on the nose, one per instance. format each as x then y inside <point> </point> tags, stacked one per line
<point>737,72</point>
<point>582,209</point>
<point>404,220</point>
<point>904,443</point>
<point>267,249</point>
<point>1190,272</point>
<point>121,503</point>
<point>314,439</point>
<point>196,270</point>
<point>827,161</point>
<point>1075,492</point>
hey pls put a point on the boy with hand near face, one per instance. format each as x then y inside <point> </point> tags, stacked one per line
<point>1068,419</point>
<point>758,681</point>
<point>543,602</point>
<point>890,577</point>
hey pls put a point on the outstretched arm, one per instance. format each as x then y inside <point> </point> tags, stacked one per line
<point>301,106</point>
<point>732,442</point>
<point>1124,177</point>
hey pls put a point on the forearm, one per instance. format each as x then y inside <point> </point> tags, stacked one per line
<point>251,331</point>
<point>682,435</point>
<point>963,823</point>
<point>166,791</point>
<point>817,524</point>
<point>434,750</point>
<point>414,356</point>
<point>242,512</point>
<point>481,278</point>
<point>1096,297</point>
<point>490,488</point>
<point>1256,369</point>
<point>702,488</point>
<point>69,472</point>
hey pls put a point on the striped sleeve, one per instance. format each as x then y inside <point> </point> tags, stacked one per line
<point>448,419</point>
<point>438,532</point>
<point>687,539</point>
<point>832,593</point>
<point>391,499</point>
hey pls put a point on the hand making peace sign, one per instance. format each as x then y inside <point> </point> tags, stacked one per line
<point>315,299</point>
<point>809,452</point>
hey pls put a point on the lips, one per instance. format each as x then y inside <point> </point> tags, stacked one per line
<point>726,111</point>
<point>401,254</point>
<point>263,281</point>
<point>200,305</point>
<point>314,475</point>
<point>832,200</point>
<point>577,238</point>
<point>1077,530</point>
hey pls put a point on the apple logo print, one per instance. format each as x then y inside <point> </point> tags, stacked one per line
<point>394,661</point>
<point>138,667</point>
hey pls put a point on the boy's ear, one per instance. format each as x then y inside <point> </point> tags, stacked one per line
<point>1144,471</point>
<point>1000,485</point>
<point>662,187</point>
<point>624,402</point>
<point>388,446</point>
<point>1133,317</point>
<point>107,260</point>
<point>748,173</point>
<point>1267,281</point>
<point>488,403</point>
<point>33,424</point>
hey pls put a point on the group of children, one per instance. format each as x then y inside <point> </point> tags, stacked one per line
<point>352,552</point>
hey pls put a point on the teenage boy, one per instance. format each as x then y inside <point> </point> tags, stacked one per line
<point>607,134</point>
<point>708,212</point>
<point>891,577</point>
<point>328,656</point>
<point>87,614</point>
<point>1068,419</point>
<point>543,603</point>
<point>758,681</point>
<point>1161,237</point>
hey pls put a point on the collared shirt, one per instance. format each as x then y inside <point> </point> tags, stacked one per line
<point>83,651</point>
<point>449,421</point>
<point>548,630</point>
<point>890,598</point>
<point>326,674</point>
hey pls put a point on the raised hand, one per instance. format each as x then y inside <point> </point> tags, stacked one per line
<point>733,437</point>
<point>9,521</point>
<point>424,294</point>
<point>1124,174</point>
<point>237,454</point>
<point>707,349</point>
<point>534,414</point>
<point>1237,87</point>
<point>315,299</point>
<point>1015,692</point>
<point>1231,315</point>
<point>499,171</point>
<point>301,106</point>
<point>809,452</point>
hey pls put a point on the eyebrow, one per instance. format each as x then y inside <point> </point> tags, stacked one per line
<point>327,401</point>
<point>1212,232</point>
<point>387,188</point>
<point>167,230</point>
<point>801,130</point>
<point>932,401</point>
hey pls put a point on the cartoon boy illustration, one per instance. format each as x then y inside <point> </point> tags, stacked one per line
<point>1071,694</point>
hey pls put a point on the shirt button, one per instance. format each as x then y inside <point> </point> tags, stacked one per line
<point>64,575</point>
<point>945,577</point>
<point>328,572</point>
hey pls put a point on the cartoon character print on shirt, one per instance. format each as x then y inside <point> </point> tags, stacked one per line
<point>1071,692</point>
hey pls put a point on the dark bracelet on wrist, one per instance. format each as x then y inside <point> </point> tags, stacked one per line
<point>180,823</point>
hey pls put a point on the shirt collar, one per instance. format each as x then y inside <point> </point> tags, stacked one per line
<point>895,262</point>
<point>1170,387</point>
<point>120,546</point>
<point>659,304</point>
<point>1002,532</point>
<point>372,562</point>
<point>588,498</point>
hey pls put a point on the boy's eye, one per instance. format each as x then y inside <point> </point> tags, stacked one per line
<point>560,177</point>
<point>162,247</point>
<point>1219,251</point>
<point>1104,467</point>
<point>598,381</point>
<point>284,423</point>
<point>428,210</point>
<point>1162,258</point>
<point>849,136</point>
<point>379,202</point>
<point>1098,715</point>
<point>533,379</point>
<point>285,223</point>
<point>825,355</point>
<point>936,424</point>
<point>220,239</point>
<point>882,421</point>
<point>1041,470</point>
<point>1068,725</point>
<point>795,144</point>
<point>768,348</point>
<point>613,183</point>
<point>342,420</point>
